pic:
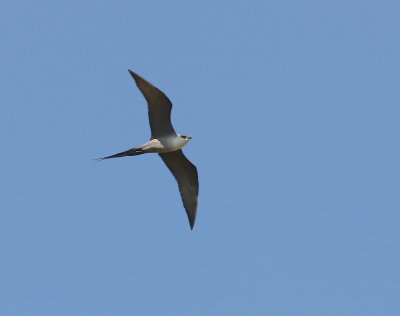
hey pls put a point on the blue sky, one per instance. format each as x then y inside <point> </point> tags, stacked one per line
<point>294,110</point>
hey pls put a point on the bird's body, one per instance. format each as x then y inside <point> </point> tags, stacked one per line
<point>167,143</point>
<point>164,144</point>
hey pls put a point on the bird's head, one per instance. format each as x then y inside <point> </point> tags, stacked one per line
<point>186,138</point>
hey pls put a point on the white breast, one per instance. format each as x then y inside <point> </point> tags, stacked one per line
<point>173,142</point>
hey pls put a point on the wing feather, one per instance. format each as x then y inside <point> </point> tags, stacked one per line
<point>159,107</point>
<point>186,175</point>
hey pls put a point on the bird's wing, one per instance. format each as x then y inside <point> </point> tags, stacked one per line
<point>185,174</point>
<point>159,107</point>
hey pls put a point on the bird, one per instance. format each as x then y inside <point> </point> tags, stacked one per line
<point>167,144</point>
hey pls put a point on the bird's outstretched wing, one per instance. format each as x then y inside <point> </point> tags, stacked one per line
<point>185,174</point>
<point>159,107</point>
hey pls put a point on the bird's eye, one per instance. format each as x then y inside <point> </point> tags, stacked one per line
<point>183,136</point>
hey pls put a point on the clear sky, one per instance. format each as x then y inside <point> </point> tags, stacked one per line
<point>294,109</point>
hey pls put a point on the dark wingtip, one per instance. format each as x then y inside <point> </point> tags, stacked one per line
<point>135,76</point>
<point>191,223</point>
<point>132,73</point>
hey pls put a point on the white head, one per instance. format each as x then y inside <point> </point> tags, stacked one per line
<point>186,138</point>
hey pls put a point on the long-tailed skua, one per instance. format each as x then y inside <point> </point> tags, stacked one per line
<point>168,144</point>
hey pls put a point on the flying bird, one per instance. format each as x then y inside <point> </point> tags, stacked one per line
<point>168,144</point>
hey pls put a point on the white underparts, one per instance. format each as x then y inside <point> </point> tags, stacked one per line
<point>165,144</point>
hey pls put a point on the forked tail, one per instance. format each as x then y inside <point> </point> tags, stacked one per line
<point>130,152</point>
